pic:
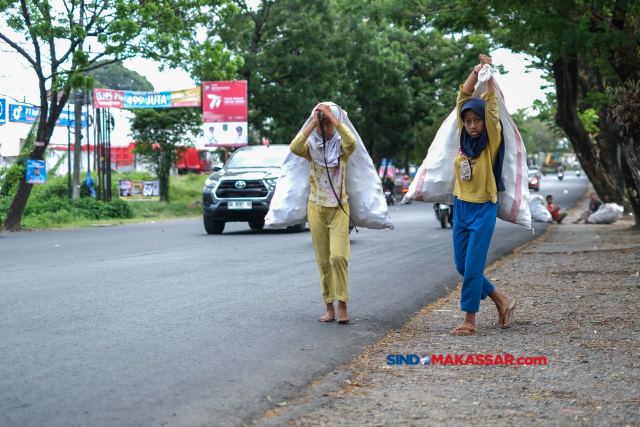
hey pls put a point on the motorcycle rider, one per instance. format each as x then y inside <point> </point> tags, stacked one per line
<point>389,185</point>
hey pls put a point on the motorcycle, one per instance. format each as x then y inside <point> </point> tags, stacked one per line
<point>578,172</point>
<point>388,195</point>
<point>444,214</point>
<point>560,175</point>
<point>404,193</point>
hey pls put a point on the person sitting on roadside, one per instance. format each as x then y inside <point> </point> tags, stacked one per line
<point>594,205</point>
<point>555,210</point>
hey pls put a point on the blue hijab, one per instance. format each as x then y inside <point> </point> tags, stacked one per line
<point>473,147</point>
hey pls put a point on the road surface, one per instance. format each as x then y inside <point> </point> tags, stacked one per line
<point>162,324</point>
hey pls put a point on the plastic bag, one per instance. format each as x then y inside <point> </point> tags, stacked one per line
<point>539,211</point>
<point>367,205</point>
<point>436,178</point>
<point>607,214</point>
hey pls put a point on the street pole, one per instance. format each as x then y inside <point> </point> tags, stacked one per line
<point>77,149</point>
<point>68,155</point>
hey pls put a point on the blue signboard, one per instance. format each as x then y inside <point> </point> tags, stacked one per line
<point>27,114</point>
<point>147,99</point>
<point>3,111</point>
<point>36,172</point>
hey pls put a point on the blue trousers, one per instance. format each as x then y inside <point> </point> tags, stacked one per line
<point>473,225</point>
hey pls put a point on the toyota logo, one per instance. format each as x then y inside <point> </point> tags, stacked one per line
<point>241,184</point>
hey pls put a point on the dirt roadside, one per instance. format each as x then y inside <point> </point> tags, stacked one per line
<point>578,288</point>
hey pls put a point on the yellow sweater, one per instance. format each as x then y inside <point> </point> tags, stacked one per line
<point>320,191</point>
<point>482,186</point>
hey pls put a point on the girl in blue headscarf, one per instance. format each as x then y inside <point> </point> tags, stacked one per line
<point>478,166</point>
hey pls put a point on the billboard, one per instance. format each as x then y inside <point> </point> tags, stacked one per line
<point>224,112</point>
<point>135,189</point>
<point>3,111</point>
<point>27,114</point>
<point>105,98</point>
<point>231,134</point>
<point>186,97</point>
<point>224,102</point>
<point>36,172</point>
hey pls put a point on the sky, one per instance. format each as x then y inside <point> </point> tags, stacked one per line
<point>19,81</point>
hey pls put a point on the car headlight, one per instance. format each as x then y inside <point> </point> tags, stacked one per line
<point>271,183</point>
<point>210,183</point>
<point>534,181</point>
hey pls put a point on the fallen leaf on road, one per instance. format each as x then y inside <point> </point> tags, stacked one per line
<point>281,404</point>
<point>578,296</point>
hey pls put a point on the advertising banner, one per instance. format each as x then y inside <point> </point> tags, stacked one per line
<point>3,111</point>
<point>106,98</point>
<point>27,114</point>
<point>231,134</point>
<point>186,97</point>
<point>134,189</point>
<point>147,99</point>
<point>225,102</point>
<point>36,172</point>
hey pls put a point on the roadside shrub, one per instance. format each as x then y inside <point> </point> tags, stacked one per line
<point>85,207</point>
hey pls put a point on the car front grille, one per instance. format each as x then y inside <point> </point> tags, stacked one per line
<point>253,189</point>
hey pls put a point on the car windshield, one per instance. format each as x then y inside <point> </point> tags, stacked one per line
<point>532,174</point>
<point>271,157</point>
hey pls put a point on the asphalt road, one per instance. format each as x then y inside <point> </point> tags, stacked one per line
<point>162,324</point>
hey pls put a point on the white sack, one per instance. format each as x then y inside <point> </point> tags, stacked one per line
<point>435,179</point>
<point>607,214</point>
<point>539,211</point>
<point>367,205</point>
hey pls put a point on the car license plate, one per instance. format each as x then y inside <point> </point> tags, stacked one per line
<point>239,205</point>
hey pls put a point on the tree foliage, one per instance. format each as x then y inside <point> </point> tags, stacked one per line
<point>162,135</point>
<point>394,81</point>
<point>588,49</point>
<point>116,76</point>
<point>58,35</point>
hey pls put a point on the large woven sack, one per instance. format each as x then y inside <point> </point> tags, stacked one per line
<point>539,211</point>
<point>436,177</point>
<point>367,205</point>
<point>607,214</point>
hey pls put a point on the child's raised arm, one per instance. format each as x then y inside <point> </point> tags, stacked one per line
<point>473,77</point>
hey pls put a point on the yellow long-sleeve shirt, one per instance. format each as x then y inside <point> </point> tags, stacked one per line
<point>320,189</point>
<point>482,186</point>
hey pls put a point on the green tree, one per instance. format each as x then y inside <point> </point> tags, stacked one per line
<point>537,135</point>
<point>589,50</point>
<point>115,76</point>
<point>56,33</point>
<point>162,135</point>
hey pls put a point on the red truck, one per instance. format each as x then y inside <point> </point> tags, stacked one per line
<point>195,161</point>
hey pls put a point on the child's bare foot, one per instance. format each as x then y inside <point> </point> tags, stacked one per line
<point>331,314</point>
<point>342,312</point>
<point>502,304</point>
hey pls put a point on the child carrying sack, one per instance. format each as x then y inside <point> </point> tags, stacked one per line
<point>367,205</point>
<point>436,178</point>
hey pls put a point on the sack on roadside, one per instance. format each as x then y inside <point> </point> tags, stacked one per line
<point>538,209</point>
<point>367,205</point>
<point>435,179</point>
<point>607,214</point>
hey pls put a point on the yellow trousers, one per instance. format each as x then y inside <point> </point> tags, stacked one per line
<point>330,234</point>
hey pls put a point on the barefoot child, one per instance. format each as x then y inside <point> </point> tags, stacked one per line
<point>478,179</point>
<point>328,222</point>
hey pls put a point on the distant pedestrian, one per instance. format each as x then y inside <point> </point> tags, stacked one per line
<point>594,205</point>
<point>478,167</point>
<point>555,210</point>
<point>88,181</point>
<point>328,209</point>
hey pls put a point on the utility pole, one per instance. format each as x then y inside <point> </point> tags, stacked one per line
<point>77,149</point>
<point>68,155</point>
